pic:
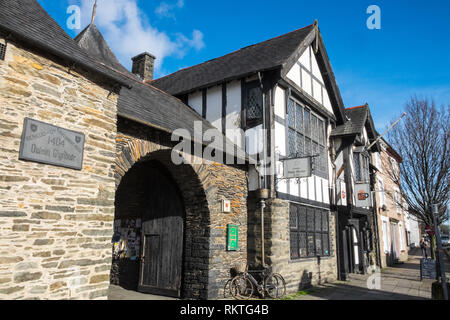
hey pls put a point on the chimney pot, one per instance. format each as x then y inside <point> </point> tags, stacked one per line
<point>143,66</point>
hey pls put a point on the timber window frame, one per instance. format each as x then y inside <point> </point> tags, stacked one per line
<point>253,104</point>
<point>306,136</point>
<point>361,165</point>
<point>309,230</point>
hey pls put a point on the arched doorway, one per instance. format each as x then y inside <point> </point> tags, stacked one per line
<point>149,231</point>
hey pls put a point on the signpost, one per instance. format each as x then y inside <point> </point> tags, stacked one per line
<point>46,143</point>
<point>297,168</point>
<point>363,193</point>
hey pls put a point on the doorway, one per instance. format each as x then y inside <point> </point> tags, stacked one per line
<point>149,198</point>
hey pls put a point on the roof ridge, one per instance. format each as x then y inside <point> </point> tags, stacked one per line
<point>233,52</point>
<point>358,107</point>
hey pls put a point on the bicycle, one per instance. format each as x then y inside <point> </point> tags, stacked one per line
<point>243,285</point>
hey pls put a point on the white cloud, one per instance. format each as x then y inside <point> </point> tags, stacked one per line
<point>128,31</point>
<point>166,10</point>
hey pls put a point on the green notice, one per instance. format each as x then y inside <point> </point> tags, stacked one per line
<point>233,237</point>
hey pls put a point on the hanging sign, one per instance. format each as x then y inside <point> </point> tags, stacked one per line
<point>297,168</point>
<point>363,198</point>
<point>46,143</point>
<point>233,237</point>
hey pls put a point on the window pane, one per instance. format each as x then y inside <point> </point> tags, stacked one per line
<point>307,147</point>
<point>300,150</point>
<point>293,218</point>
<point>314,128</point>
<point>319,244</point>
<point>292,147</point>
<point>254,103</point>
<point>307,124</point>
<point>294,245</point>
<point>310,220</point>
<point>321,132</point>
<point>299,118</point>
<point>357,166</point>
<point>323,159</point>
<point>302,245</point>
<point>325,245</point>
<point>315,151</point>
<point>310,245</point>
<point>302,218</point>
<point>325,221</point>
<point>290,115</point>
<point>318,222</point>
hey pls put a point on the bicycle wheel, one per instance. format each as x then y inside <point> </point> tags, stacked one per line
<point>275,286</point>
<point>241,288</point>
<point>282,285</point>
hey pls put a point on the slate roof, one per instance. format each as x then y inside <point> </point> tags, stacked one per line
<point>93,42</point>
<point>355,125</point>
<point>264,56</point>
<point>27,20</point>
<point>144,103</point>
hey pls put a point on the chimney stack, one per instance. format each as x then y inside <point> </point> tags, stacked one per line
<point>143,65</point>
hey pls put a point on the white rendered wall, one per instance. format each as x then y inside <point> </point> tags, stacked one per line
<point>214,106</point>
<point>233,118</point>
<point>314,87</point>
<point>195,101</point>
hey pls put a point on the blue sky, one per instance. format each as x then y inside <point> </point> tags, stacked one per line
<point>409,55</point>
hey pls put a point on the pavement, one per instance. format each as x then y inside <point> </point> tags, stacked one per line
<point>401,282</point>
<point>119,293</point>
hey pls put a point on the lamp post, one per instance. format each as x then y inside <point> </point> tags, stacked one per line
<point>435,212</point>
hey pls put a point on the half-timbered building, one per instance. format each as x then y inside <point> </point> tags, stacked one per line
<point>357,224</point>
<point>278,100</point>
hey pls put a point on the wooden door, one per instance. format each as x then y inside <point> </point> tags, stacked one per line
<point>162,237</point>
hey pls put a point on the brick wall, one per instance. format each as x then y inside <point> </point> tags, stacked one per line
<point>55,223</point>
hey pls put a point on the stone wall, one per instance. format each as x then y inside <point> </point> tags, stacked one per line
<point>55,223</point>
<point>207,262</point>
<point>299,274</point>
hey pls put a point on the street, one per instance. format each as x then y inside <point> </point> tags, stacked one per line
<point>401,282</point>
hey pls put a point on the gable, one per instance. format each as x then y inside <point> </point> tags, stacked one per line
<point>305,73</point>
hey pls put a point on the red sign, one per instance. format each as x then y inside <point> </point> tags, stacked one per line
<point>429,230</point>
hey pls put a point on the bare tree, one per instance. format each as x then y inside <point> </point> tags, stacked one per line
<point>423,141</point>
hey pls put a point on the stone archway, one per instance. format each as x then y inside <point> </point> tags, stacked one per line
<point>134,153</point>
<point>207,261</point>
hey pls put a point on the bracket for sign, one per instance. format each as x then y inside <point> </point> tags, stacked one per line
<point>282,159</point>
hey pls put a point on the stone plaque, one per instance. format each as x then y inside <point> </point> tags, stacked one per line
<point>45,143</point>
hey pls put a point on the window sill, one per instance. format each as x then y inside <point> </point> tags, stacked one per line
<point>310,259</point>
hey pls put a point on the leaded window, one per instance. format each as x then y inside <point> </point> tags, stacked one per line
<point>361,163</point>
<point>253,104</point>
<point>306,136</point>
<point>309,232</point>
